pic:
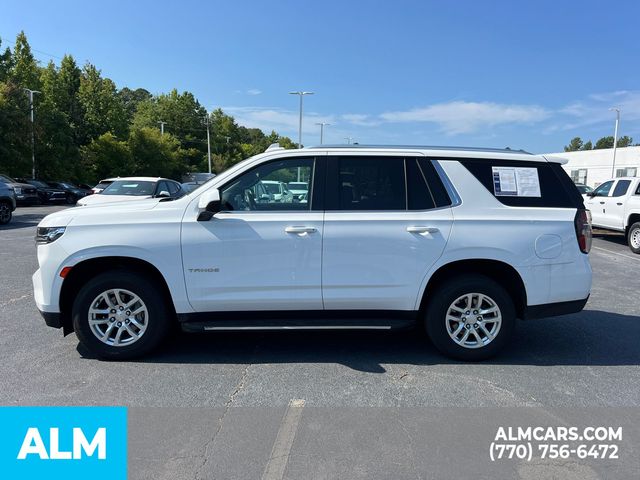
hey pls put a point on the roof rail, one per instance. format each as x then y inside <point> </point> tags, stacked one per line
<point>425,147</point>
<point>274,146</point>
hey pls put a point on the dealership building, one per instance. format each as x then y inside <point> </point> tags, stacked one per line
<point>593,167</point>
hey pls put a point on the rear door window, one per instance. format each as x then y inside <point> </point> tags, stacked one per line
<point>621,188</point>
<point>371,183</point>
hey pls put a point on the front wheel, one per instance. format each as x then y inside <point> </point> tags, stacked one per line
<point>5,213</point>
<point>633,237</point>
<point>120,315</point>
<point>470,318</point>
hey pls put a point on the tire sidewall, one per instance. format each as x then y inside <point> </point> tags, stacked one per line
<point>438,307</point>
<point>141,285</point>
<point>632,228</point>
<point>5,222</point>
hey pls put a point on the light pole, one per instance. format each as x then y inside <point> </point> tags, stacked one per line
<point>349,140</point>
<point>208,142</point>
<point>162,124</point>
<point>33,133</point>
<point>322,125</point>
<point>301,94</point>
<point>615,141</point>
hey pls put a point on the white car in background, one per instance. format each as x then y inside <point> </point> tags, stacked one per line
<point>298,189</point>
<point>102,184</point>
<point>134,188</point>
<point>278,191</point>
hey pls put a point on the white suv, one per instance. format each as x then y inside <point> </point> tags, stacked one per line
<point>463,241</point>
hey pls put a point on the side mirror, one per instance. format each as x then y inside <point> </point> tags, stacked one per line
<point>163,194</point>
<point>208,204</point>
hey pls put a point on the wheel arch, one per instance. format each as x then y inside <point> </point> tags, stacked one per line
<point>631,219</point>
<point>500,272</point>
<point>85,270</point>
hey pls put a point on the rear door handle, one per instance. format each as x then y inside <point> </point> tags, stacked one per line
<point>601,203</point>
<point>619,203</point>
<point>300,229</point>
<point>422,229</point>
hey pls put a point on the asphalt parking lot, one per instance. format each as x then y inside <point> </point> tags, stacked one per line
<point>590,359</point>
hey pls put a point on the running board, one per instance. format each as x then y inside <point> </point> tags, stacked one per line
<point>258,321</point>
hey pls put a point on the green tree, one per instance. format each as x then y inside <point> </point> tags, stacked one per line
<point>131,99</point>
<point>604,142</point>
<point>6,63</point>
<point>102,107</point>
<point>624,141</point>
<point>57,153</point>
<point>574,145</point>
<point>15,131</point>
<point>24,68</point>
<point>154,154</point>
<point>106,156</point>
<point>587,146</point>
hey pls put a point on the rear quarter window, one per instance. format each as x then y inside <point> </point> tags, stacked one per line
<point>556,188</point>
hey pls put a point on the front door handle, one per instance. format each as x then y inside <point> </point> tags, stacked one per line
<point>300,229</point>
<point>601,203</point>
<point>421,229</point>
<point>619,203</point>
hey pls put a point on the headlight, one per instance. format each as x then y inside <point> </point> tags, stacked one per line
<point>18,190</point>
<point>46,235</point>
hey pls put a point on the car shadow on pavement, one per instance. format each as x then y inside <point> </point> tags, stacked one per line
<point>27,220</point>
<point>613,237</point>
<point>592,337</point>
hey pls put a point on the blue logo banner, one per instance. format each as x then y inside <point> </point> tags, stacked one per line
<point>63,442</point>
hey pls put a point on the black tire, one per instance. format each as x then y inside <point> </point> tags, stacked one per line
<point>634,230</point>
<point>5,212</point>
<point>443,298</point>
<point>159,318</point>
<point>70,199</point>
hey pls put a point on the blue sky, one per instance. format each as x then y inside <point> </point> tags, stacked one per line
<point>513,73</point>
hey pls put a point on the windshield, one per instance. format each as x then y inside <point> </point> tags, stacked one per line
<point>130,187</point>
<point>298,186</point>
<point>272,188</point>
<point>38,183</point>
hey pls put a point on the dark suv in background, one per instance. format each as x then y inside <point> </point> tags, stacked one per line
<point>46,193</point>
<point>26,194</point>
<point>73,192</point>
<point>7,203</point>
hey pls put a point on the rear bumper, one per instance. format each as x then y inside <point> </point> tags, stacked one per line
<point>532,312</point>
<point>52,319</point>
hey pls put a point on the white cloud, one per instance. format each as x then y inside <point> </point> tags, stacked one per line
<point>467,117</point>
<point>360,119</point>
<point>254,91</point>
<point>283,121</point>
<point>595,109</point>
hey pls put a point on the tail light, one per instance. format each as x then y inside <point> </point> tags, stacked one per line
<point>583,229</point>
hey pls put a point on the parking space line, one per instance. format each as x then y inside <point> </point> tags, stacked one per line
<point>279,457</point>
<point>616,253</point>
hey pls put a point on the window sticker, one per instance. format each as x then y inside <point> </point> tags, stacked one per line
<point>516,182</point>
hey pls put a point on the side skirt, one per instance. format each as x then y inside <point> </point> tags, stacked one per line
<point>298,320</point>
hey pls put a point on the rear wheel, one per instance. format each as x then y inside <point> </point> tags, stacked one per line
<point>470,318</point>
<point>120,315</point>
<point>633,237</point>
<point>5,213</point>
